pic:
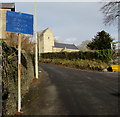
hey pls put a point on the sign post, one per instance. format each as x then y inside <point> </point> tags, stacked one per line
<point>19,23</point>
<point>19,72</point>
<point>36,42</point>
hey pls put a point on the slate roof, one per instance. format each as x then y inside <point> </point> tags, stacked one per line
<point>62,45</point>
<point>7,6</point>
<point>40,33</point>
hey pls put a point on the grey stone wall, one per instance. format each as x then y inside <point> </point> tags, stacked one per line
<point>9,78</point>
<point>0,80</point>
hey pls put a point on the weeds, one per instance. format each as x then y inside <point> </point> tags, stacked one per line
<point>95,65</point>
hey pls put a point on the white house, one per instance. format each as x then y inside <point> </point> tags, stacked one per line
<point>47,43</point>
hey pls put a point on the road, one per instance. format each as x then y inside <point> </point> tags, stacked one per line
<point>66,91</point>
<point>85,92</point>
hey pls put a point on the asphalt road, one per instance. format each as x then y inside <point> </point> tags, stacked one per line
<point>85,92</point>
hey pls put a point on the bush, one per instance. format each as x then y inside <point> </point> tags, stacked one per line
<point>103,55</point>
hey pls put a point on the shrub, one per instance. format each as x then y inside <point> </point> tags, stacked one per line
<point>103,55</point>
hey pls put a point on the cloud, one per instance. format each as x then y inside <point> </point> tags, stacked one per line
<point>70,40</point>
<point>57,37</point>
<point>70,22</point>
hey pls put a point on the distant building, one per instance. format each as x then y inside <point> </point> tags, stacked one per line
<point>10,6</point>
<point>47,43</point>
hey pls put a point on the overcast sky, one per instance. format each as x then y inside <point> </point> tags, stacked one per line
<point>71,22</point>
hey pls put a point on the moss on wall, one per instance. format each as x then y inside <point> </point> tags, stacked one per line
<point>9,77</point>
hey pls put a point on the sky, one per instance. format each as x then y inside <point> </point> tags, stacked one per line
<point>71,22</point>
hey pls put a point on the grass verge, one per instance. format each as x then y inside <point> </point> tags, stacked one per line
<point>95,65</point>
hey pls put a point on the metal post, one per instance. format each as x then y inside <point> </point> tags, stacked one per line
<point>19,72</point>
<point>39,47</point>
<point>36,42</point>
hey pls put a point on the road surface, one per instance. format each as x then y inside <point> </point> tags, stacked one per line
<point>81,92</point>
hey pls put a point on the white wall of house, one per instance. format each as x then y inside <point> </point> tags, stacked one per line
<point>41,45</point>
<point>3,23</point>
<point>64,50</point>
<point>46,41</point>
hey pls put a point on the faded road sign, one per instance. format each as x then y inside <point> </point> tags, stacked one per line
<point>19,22</point>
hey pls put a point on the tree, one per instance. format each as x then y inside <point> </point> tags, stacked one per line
<point>101,41</point>
<point>11,39</point>
<point>111,11</point>
<point>26,41</point>
<point>27,44</point>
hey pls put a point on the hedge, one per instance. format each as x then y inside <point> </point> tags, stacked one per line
<point>103,55</point>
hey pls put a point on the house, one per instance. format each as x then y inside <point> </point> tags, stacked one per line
<point>47,43</point>
<point>10,6</point>
<point>3,8</point>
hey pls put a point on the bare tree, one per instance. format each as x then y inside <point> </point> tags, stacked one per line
<point>27,42</point>
<point>111,11</point>
<point>11,39</point>
<point>83,45</point>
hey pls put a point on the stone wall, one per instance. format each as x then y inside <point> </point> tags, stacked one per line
<point>9,77</point>
<point>9,71</point>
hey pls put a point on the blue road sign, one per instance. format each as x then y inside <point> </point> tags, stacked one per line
<point>19,22</point>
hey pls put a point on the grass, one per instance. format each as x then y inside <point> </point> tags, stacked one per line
<point>95,65</point>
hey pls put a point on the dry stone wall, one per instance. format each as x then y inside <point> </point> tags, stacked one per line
<point>9,77</point>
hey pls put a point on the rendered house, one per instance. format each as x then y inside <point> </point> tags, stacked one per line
<point>3,8</point>
<point>47,43</point>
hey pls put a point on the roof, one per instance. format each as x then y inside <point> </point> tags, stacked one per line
<point>42,32</point>
<point>62,45</point>
<point>7,6</point>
